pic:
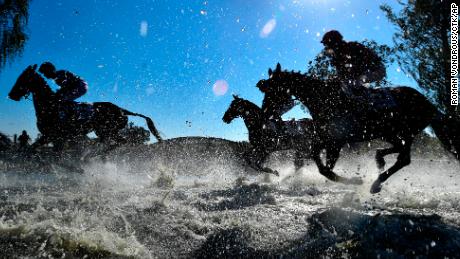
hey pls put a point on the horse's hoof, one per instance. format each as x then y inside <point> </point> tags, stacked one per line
<point>376,187</point>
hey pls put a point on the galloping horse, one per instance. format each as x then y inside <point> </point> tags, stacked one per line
<point>60,122</point>
<point>337,121</point>
<point>263,136</point>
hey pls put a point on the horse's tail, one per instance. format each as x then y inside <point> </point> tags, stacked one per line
<point>150,124</point>
<point>447,129</point>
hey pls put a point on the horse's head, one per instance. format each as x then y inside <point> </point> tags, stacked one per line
<point>279,87</point>
<point>235,109</point>
<point>22,86</point>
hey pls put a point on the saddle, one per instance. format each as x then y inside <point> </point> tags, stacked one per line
<point>382,99</point>
<point>291,128</point>
<point>296,127</point>
<point>75,111</point>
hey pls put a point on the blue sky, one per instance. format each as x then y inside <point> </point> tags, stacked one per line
<point>161,58</point>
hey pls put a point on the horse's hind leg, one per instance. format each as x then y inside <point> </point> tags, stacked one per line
<point>105,138</point>
<point>303,150</point>
<point>402,161</point>
<point>381,153</point>
<point>111,140</point>
<point>332,155</point>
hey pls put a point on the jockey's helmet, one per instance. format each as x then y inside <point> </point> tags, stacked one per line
<point>332,38</point>
<point>48,69</point>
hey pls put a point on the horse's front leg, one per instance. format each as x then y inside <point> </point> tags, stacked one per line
<point>332,155</point>
<point>326,171</point>
<point>256,158</point>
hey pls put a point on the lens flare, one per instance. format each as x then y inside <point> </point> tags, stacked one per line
<point>143,30</point>
<point>220,87</point>
<point>268,28</point>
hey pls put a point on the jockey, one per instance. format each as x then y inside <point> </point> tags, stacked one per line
<point>357,66</point>
<point>71,85</point>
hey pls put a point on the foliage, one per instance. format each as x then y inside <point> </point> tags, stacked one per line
<point>135,135</point>
<point>5,142</point>
<point>13,19</point>
<point>422,46</point>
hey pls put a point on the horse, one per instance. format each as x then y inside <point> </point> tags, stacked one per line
<point>338,121</point>
<point>264,137</point>
<point>64,121</point>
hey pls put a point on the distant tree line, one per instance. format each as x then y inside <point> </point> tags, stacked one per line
<point>14,16</point>
<point>422,46</point>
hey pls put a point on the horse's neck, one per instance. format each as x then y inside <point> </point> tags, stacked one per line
<point>44,99</point>
<point>316,96</point>
<point>252,117</point>
<point>306,95</point>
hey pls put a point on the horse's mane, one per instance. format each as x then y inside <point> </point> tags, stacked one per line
<point>306,79</point>
<point>300,77</point>
<point>249,103</point>
<point>293,74</point>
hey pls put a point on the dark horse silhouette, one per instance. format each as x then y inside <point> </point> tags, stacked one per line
<point>264,137</point>
<point>60,122</point>
<point>338,122</point>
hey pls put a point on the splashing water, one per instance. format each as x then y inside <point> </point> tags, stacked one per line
<point>191,196</point>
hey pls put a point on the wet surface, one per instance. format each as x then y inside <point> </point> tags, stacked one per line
<point>194,197</point>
